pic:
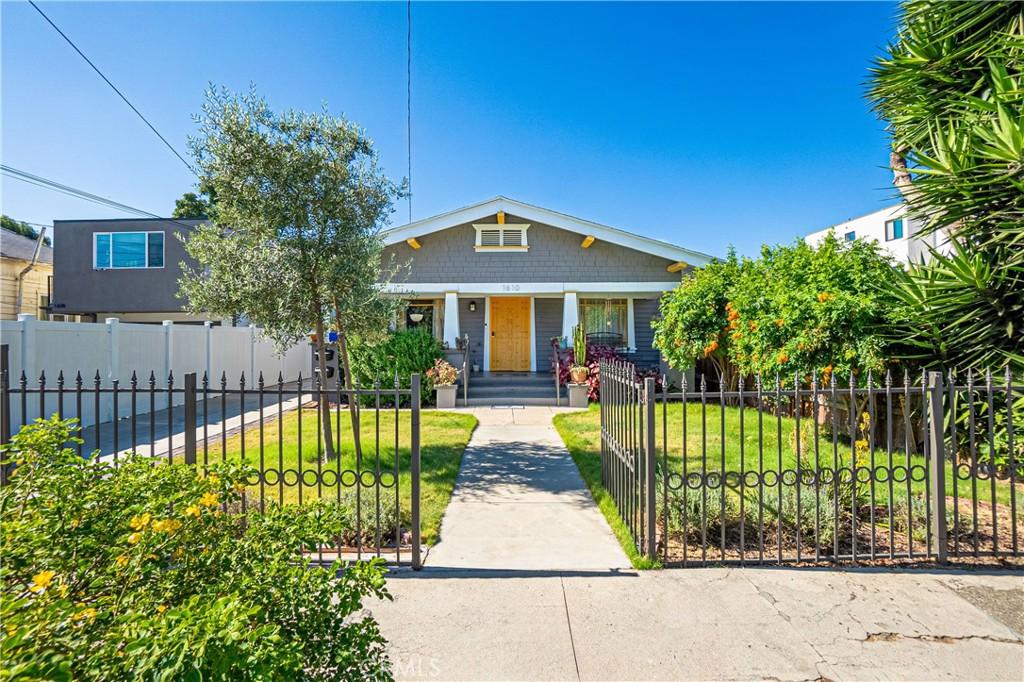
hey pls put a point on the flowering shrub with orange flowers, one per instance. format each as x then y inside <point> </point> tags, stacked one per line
<point>137,572</point>
<point>796,310</point>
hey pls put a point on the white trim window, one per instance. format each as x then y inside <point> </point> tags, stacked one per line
<point>893,229</point>
<point>605,320</point>
<point>127,250</point>
<point>501,238</point>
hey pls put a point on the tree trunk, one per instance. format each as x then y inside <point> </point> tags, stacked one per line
<point>353,408</point>
<point>325,406</point>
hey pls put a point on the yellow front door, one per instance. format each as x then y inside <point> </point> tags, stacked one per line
<point>510,334</point>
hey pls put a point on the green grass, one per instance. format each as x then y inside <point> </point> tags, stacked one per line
<point>443,438</point>
<point>581,432</point>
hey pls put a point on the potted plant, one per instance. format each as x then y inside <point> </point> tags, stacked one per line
<point>579,372</point>
<point>443,376</point>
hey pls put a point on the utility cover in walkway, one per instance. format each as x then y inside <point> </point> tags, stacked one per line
<point>520,503</point>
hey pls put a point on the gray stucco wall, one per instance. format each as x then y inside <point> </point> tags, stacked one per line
<point>548,318</point>
<point>554,256</point>
<point>644,310</point>
<point>472,323</point>
<point>78,288</point>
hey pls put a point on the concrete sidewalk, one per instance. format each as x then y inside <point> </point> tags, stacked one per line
<point>705,624</point>
<point>520,503</point>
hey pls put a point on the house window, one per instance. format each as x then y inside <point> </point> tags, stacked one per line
<point>850,236</point>
<point>604,320</point>
<point>893,229</point>
<point>128,250</point>
<point>425,314</point>
<point>501,238</point>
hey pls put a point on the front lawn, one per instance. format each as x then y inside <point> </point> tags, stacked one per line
<point>697,519</point>
<point>443,438</point>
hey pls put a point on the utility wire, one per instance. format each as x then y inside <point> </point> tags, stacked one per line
<point>46,183</point>
<point>113,87</point>
<point>408,99</point>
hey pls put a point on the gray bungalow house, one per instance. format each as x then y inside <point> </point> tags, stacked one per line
<point>511,276</point>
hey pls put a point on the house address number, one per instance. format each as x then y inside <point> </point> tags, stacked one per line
<point>510,287</point>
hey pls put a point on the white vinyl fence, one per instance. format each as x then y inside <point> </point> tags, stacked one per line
<point>116,350</point>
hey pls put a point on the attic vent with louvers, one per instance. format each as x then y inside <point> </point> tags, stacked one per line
<point>501,238</point>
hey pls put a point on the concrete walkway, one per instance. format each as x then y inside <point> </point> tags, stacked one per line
<point>529,584</point>
<point>520,503</point>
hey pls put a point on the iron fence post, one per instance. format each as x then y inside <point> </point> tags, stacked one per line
<point>414,469</point>
<point>649,466</point>
<point>937,484</point>
<point>190,418</point>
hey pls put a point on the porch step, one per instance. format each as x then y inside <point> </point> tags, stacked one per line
<point>512,402</point>
<point>511,388</point>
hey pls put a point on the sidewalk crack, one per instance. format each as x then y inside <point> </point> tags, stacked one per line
<point>568,622</point>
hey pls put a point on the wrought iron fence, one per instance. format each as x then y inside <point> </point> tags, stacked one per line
<point>372,476</point>
<point>925,468</point>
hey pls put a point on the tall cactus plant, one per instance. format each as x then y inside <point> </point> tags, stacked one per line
<point>579,344</point>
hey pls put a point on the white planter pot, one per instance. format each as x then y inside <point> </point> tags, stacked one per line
<point>445,396</point>
<point>578,395</point>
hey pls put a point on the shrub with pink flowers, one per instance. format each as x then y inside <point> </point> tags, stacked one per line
<point>595,354</point>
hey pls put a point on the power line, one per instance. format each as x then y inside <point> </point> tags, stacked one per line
<point>53,185</point>
<point>408,99</point>
<point>113,87</point>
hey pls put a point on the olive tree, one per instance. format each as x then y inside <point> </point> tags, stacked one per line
<point>293,235</point>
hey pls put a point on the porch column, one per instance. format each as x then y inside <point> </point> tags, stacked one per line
<point>451,318</point>
<point>570,315</point>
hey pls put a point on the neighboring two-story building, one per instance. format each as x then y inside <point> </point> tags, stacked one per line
<point>128,269</point>
<point>892,228</point>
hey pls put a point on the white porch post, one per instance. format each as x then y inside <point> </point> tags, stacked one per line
<point>533,334</point>
<point>487,334</point>
<point>630,325</point>
<point>451,318</point>
<point>570,315</point>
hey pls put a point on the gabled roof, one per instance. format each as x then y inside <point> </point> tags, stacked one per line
<point>14,245</point>
<point>543,215</point>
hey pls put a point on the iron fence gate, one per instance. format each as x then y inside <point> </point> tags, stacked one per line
<point>916,469</point>
<point>373,475</point>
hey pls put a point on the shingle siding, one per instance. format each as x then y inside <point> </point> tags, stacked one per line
<point>645,310</point>
<point>472,323</point>
<point>554,256</point>
<point>548,314</point>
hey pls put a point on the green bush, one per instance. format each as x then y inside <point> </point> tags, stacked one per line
<point>137,573</point>
<point>405,352</point>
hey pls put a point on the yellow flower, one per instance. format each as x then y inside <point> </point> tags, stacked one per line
<point>161,608</point>
<point>239,488</point>
<point>779,322</point>
<point>134,538</point>
<point>168,526</point>
<point>42,580</point>
<point>823,296</point>
<point>87,614</point>
<point>193,510</point>
<point>121,561</point>
<point>209,500</point>
<point>214,479</point>
<point>140,522</point>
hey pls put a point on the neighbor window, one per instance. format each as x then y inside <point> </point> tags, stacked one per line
<point>128,250</point>
<point>604,320</point>
<point>850,236</point>
<point>893,229</point>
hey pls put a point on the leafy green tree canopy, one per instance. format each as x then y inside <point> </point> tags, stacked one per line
<point>797,310</point>
<point>22,228</point>
<point>294,232</point>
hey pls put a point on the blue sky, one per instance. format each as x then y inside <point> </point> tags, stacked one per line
<point>701,124</point>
